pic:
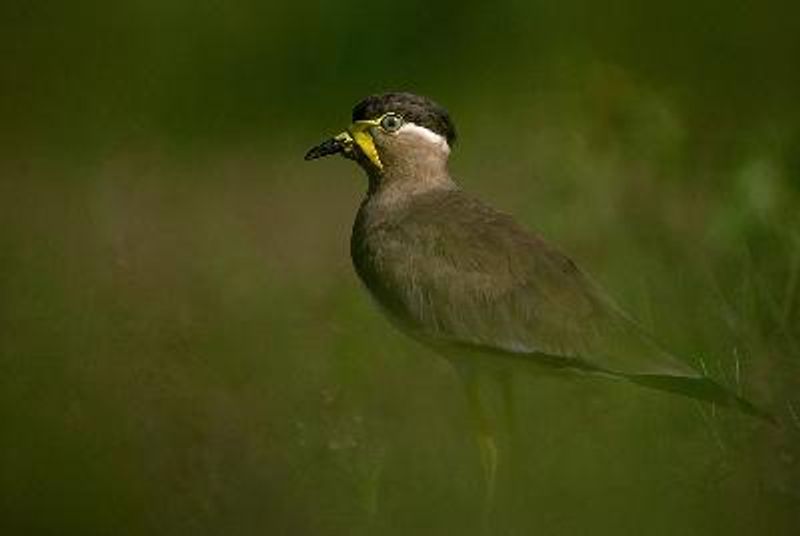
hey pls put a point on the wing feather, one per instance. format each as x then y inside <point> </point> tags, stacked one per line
<point>478,278</point>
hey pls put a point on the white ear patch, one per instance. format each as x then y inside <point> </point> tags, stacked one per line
<point>412,129</point>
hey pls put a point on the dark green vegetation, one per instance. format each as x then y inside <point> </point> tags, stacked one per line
<point>184,348</point>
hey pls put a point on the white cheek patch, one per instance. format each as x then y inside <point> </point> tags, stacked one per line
<point>429,136</point>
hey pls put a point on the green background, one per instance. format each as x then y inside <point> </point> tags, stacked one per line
<point>184,348</point>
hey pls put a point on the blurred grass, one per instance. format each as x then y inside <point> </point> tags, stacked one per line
<point>185,349</point>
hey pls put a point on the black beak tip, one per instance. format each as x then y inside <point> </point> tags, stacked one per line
<point>328,147</point>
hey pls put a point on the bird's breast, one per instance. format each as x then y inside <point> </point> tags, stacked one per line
<point>383,262</point>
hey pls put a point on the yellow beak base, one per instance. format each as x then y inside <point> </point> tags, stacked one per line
<point>359,131</point>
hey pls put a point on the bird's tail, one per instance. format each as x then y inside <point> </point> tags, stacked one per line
<point>701,388</point>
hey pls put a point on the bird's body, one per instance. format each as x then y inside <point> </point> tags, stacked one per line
<point>455,273</point>
<point>475,285</point>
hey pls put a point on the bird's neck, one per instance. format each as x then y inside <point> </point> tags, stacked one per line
<point>403,178</point>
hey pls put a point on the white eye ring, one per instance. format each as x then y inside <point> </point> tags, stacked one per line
<point>391,122</point>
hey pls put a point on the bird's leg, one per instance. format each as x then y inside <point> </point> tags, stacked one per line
<point>486,441</point>
<point>484,430</point>
<point>506,381</point>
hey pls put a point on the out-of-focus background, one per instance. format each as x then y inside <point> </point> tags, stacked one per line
<point>184,348</point>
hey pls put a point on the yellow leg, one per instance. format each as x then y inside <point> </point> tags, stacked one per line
<point>485,436</point>
<point>506,381</point>
<point>489,459</point>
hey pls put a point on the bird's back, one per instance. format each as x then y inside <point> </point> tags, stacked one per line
<point>454,272</point>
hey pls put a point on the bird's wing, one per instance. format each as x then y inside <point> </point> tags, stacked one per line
<point>453,270</point>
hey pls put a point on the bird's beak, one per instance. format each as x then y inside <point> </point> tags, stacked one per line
<point>341,143</point>
<point>358,135</point>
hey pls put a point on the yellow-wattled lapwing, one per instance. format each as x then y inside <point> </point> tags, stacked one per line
<point>475,285</point>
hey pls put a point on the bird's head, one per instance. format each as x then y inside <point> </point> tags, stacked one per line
<point>394,134</point>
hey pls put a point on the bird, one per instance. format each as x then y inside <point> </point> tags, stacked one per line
<point>475,285</point>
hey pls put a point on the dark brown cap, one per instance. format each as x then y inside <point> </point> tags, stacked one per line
<point>414,108</point>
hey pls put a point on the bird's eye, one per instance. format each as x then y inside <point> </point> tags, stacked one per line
<point>391,122</point>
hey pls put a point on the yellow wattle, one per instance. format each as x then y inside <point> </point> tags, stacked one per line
<point>363,138</point>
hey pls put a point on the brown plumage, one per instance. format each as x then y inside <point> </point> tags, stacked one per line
<point>454,271</point>
<point>474,284</point>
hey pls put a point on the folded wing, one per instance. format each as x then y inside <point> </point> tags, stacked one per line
<point>478,278</point>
